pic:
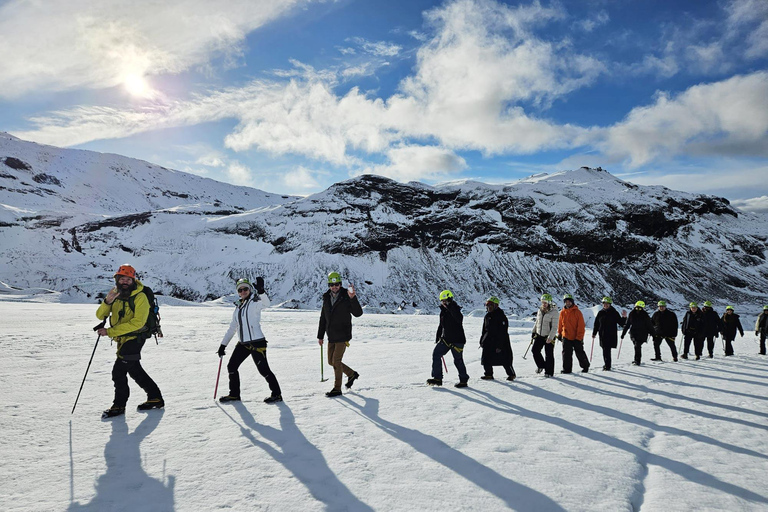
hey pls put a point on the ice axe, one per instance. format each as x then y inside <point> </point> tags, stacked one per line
<point>100,326</point>
<point>322,362</point>
<point>218,374</point>
<point>529,348</point>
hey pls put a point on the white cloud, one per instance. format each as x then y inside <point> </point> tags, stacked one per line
<point>413,163</point>
<point>718,179</point>
<point>239,174</point>
<point>729,113</point>
<point>60,45</point>
<point>590,24</point>
<point>377,48</point>
<point>750,16</point>
<point>300,179</point>
<point>754,204</point>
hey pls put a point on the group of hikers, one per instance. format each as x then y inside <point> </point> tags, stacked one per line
<point>129,308</point>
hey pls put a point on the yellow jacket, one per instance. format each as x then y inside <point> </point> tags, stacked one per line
<point>123,321</point>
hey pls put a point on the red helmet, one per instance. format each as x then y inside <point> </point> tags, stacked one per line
<point>127,271</point>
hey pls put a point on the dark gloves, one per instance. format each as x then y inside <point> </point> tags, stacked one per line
<point>221,350</point>
<point>260,285</point>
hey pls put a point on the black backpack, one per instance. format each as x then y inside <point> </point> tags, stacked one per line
<point>152,327</point>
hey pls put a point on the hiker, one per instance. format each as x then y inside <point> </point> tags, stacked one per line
<point>664,329</point>
<point>607,322</point>
<point>450,338</point>
<point>570,329</point>
<point>494,341</point>
<point>731,323</point>
<point>693,330</point>
<point>761,328</point>
<point>712,327</point>
<point>640,327</point>
<point>246,321</point>
<point>544,334</point>
<point>339,306</point>
<point>128,309</point>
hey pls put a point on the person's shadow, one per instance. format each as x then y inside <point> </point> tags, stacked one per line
<point>517,496</point>
<point>125,485</point>
<point>299,456</point>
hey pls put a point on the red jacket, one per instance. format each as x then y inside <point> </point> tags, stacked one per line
<point>571,324</point>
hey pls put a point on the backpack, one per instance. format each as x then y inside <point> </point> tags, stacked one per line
<point>152,327</point>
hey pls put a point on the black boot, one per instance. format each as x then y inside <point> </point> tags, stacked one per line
<point>351,380</point>
<point>229,398</point>
<point>273,399</point>
<point>152,403</point>
<point>113,411</point>
<point>460,385</point>
<point>487,377</point>
<point>332,393</point>
<point>435,382</point>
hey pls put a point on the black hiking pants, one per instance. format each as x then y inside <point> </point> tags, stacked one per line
<point>507,368</point>
<point>728,346</point>
<point>607,356</point>
<point>657,346</point>
<point>711,345</point>
<point>259,355</point>
<point>120,372</point>
<point>569,346</point>
<point>638,343</point>
<point>548,363</point>
<point>457,351</point>
<point>698,344</point>
<point>762,343</point>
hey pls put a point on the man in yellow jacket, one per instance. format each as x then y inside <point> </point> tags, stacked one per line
<point>127,329</point>
<point>571,329</point>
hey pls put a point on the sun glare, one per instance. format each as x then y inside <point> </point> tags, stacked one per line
<point>136,85</point>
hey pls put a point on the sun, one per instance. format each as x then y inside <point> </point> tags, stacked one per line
<point>136,86</point>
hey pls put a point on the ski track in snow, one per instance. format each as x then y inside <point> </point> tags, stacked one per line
<point>664,436</point>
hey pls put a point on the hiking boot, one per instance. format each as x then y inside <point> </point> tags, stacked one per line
<point>658,358</point>
<point>563,371</point>
<point>711,356</point>
<point>684,356</point>
<point>585,370</point>
<point>152,403</point>
<point>435,382</point>
<point>273,399</point>
<point>606,368</point>
<point>539,370</point>
<point>487,377</point>
<point>229,398</point>
<point>351,380</point>
<point>460,385</point>
<point>548,375</point>
<point>635,363</point>
<point>332,393</point>
<point>511,377</point>
<point>113,411</point>
<point>674,359</point>
<point>698,357</point>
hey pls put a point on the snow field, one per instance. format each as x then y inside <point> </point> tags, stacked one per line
<point>664,436</point>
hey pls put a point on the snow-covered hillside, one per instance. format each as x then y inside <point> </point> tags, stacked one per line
<point>660,437</point>
<point>69,217</point>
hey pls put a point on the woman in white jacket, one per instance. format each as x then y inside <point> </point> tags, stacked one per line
<point>544,332</point>
<point>246,322</point>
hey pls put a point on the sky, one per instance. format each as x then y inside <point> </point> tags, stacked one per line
<point>291,96</point>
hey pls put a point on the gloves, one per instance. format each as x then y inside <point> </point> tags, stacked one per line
<point>221,350</point>
<point>533,336</point>
<point>260,285</point>
<point>559,337</point>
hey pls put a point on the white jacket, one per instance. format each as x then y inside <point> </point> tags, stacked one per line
<point>246,320</point>
<point>546,323</point>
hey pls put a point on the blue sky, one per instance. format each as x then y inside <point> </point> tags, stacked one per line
<point>293,95</point>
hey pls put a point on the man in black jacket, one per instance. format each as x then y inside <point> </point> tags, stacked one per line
<point>713,326</point>
<point>761,328</point>
<point>731,324</point>
<point>607,322</point>
<point>664,329</point>
<point>494,341</point>
<point>339,306</point>
<point>639,326</point>
<point>693,329</point>
<point>450,338</point>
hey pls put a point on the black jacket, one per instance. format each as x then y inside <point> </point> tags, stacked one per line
<point>336,320</point>
<point>451,326</point>
<point>762,322</point>
<point>693,324</point>
<point>712,323</point>
<point>639,325</point>
<point>495,339</point>
<point>664,324</point>
<point>607,322</point>
<point>731,324</point>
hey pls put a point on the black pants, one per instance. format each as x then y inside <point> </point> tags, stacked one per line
<point>239,355</point>
<point>569,346</point>
<point>711,345</point>
<point>638,341</point>
<point>762,343</point>
<point>698,344</point>
<point>458,359</point>
<point>548,364</point>
<point>120,372</point>
<point>607,356</point>
<point>657,346</point>
<point>728,346</point>
<point>507,368</point>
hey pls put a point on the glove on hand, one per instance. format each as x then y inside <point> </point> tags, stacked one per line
<point>260,285</point>
<point>221,350</point>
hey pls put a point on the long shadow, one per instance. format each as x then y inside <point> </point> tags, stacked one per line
<point>517,496</point>
<point>703,369</point>
<point>125,485</point>
<point>298,456</point>
<point>672,430</point>
<point>643,456</point>
<point>742,364</point>
<point>683,397</point>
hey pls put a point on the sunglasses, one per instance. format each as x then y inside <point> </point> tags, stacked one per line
<point>334,284</point>
<point>242,290</point>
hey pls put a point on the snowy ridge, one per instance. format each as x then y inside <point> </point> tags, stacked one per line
<point>582,231</point>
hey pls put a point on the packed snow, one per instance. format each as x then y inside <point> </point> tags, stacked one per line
<point>662,436</point>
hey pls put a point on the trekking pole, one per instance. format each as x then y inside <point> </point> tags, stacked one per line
<point>682,338</point>
<point>444,365</point>
<point>592,351</point>
<point>102,324</point>
<point>322,375</point>
<point>529,348</point>
<point>620,342</point>
<point>218,374</point>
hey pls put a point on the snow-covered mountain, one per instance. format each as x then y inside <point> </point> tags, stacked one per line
<point>69,217</point>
